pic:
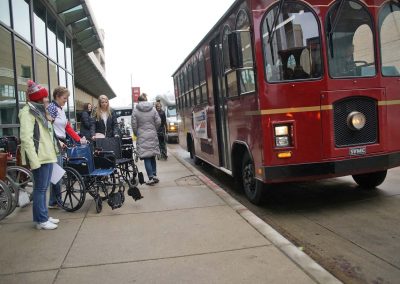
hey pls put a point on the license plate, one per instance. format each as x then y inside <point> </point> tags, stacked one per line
<point>358,151</point>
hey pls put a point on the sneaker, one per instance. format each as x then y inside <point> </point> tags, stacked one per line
<point>54,206</point>
<point>156,180</point>
<point>150,182</point>
<point>46,226</point>
<point>54,220</point>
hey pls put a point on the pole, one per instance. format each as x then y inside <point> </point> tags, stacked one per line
<point>131,91</point>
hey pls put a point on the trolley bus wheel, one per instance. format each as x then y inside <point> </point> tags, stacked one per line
<point>370,180</point>
<point>253,188</point>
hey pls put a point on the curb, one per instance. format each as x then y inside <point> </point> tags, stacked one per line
<point>306,263</point>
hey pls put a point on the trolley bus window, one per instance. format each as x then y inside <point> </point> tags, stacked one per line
<point>294,51</point>
<point>389,29</point>
<point>350,41</point>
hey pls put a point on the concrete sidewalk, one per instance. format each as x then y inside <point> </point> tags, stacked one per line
<point>185,230</point>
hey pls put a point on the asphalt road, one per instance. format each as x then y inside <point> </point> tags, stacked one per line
<point>351,232</point>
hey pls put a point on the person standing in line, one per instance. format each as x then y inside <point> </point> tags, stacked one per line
<point>38,151</point>
<point>145,122</point>
<point>162,129</point>
<point>86,121</point>
<point>104,121</point>
<point>62,127</point>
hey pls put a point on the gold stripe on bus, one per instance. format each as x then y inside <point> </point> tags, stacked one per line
<point>389,103</point>
<point>308,109</point>
<point>288,110</point>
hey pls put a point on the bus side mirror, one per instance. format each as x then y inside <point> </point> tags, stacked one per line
<point>235,50</point>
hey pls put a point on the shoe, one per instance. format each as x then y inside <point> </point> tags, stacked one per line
<point>150,182</point>
<point>46,226</point>
<point>156,180</point>
<point>54,220</point>
<point>54,206</point>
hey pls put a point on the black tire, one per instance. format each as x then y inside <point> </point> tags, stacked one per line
<point>370,180</point>
<point>5,200</point>
<point>73,191</point>
<point>253,188</point>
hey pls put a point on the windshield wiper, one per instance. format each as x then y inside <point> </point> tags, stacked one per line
<point>333,23</point>
<point>275,22</point>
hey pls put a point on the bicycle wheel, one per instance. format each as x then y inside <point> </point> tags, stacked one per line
<point>19,179</point>
<point>5,200</point>
<point>73,192</point>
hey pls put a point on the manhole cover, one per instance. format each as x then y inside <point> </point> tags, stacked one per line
<point>189,181</point>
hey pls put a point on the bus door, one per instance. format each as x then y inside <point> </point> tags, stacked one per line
<point>220,103</point>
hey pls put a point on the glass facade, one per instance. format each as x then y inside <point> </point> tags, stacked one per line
<point>44,56</point>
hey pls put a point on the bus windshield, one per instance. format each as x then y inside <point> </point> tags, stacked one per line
<point>171,111</point>
<point>123,112</point>
<point>350,41</point>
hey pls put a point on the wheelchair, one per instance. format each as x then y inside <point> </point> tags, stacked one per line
<point>99,171</point>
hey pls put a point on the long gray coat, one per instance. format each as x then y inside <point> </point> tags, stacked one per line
<point>145,122</point>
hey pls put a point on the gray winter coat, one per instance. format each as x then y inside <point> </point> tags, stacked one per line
<point>145,122</point>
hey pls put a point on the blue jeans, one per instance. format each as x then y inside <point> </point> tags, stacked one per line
<point>41,177</point>
<point>55,189</point>
<point>151,166</point>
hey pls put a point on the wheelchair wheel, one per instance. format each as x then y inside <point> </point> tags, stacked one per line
<point>5,200</point>
<point>73,191</point>
<point>108,181</point>
<point>128,172</point>
<point>99,204</point>
<point>19,179</point>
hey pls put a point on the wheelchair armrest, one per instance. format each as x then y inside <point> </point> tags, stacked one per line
<point>76,159</point>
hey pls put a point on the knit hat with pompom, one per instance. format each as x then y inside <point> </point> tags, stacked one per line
<point>36,92</point>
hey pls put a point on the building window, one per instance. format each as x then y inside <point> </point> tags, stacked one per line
<point>41,71</point>
<point>23,61</point>
<point>68,51</point>
<point>21,18</point>
<point>51,38</point>
<point>40,25</point>
<point>8,102</point>
<point>5,12</point>
<point>60,47</point>
<point>53,74</point>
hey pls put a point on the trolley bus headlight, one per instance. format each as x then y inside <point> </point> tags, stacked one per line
<point>281,130</point>
<point>282,141</point>
<point>356,120</point>
<point>282,135</point>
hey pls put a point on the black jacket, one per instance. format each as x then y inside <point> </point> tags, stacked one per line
<point>85,125</point>
<point>97,126</point>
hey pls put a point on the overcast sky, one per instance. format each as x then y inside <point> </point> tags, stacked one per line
<point>148,40</point>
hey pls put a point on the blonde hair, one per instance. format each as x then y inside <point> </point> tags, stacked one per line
<point>98,110</point>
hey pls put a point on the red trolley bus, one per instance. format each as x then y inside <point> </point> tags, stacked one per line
<point>294,90</point>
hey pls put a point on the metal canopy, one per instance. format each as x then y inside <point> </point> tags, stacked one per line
<point>77,17</point>
<point>88,77</point>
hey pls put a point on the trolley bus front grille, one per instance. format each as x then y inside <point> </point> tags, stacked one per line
<point>344,136</point>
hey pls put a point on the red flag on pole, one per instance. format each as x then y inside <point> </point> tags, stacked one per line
<point>135,94</point>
